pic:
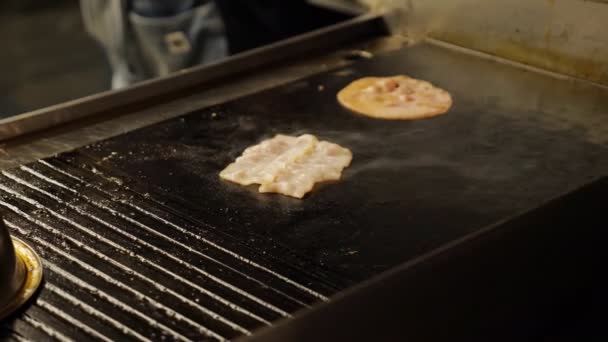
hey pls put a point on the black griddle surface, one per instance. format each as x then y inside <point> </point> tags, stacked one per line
<point>117,219</point>
<point>412,186</point>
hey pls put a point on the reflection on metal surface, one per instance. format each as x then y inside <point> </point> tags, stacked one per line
<point>563,36</point>
<point>30,262</point>
<point>354,55</point>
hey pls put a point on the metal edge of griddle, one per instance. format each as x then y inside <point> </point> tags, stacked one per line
<point>348,7</point>
<point>512,63</point>
<point>379,301</point>
<point>157,91</point>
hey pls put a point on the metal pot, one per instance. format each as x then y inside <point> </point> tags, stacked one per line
<point>20,272</point>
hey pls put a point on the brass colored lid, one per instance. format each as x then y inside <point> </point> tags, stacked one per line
<point>33,276</point>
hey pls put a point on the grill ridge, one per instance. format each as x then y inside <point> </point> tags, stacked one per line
<point>155,249</point>
<point>107,278</point>
<point>131,272</point>
<point>109,257</point>
<point>83,212</point>
<point>295,269</point>
<point>94,312</point>
<point>75,322</point>
<point>48,330</point>
<point>185,231</point>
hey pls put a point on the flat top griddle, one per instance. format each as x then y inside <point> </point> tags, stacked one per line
<point>412,186</point>
<point>512,140</point>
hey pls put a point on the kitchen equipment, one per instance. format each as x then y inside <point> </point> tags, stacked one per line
<point>141,240</point>
<point>20,272</point>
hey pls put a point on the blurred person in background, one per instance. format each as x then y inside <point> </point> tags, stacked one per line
<point>150,38</point>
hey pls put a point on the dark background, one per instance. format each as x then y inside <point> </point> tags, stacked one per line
<point>48,58</point>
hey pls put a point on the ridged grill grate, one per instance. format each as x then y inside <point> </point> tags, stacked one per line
<point>119,265</point>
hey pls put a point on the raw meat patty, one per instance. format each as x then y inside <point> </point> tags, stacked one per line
<point>395,97</point>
